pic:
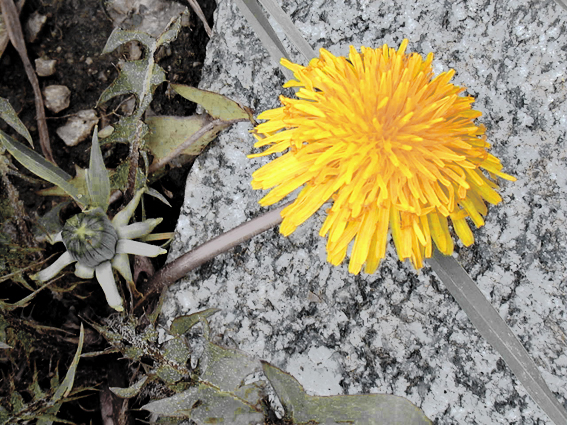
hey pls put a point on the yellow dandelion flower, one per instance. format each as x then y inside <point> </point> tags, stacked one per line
<point>394,147</point>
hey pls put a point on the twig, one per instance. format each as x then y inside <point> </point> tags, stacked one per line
<point>12,22</point>
<point>4,38</point>
<point>179,267</point>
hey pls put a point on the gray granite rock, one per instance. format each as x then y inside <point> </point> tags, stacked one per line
<point>397,331</point>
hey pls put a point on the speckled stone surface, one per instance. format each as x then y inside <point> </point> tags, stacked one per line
<point>396,331</point>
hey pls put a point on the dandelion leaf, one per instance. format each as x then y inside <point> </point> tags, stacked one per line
<point>119,37</point>
<point>132,80</point>
<point>50,223</point>
<point>79,182</point>
<point>126,130</point>
<point>98,183</point>
<point>40,166</point>
<point>65,388</point>
<point>8,114</point>
<point>139,77</point>
<point>118,181</point>
<point>216,105</point>
<point>131,391</point>
<point>205,405</point>
<point>176,354</point>
<point>168,133</point>
<point>176,350</point>
<point>226,368</point>
<point>370,409</point>
<point>182,324</point>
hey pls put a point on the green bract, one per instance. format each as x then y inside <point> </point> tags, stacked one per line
<point>97,245</point>
<point>90,238</point>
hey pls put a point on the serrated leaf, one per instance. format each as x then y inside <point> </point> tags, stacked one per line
<point>217,105</point>
<point>125,131</point>
<point>168,374</point>
<point>49,224</point>
<point>170,33</point>
<point>34,388</point>
<point>226,368</point>
<point>41,167</point>
<point>168,133</point>
<point>131,391</point>
<point>133,353</point>
<point>369,409</point>
<point>176,350</point>
<point>8,114</point>
<point>206,405</point>
<point>23,302</point>
<point>132,80</point>
<point>182,324</point>
<point>119,37</point>
<point>98,182</point>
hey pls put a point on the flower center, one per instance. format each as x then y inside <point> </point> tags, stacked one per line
<point>90,237</point>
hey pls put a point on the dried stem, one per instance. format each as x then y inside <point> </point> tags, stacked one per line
<point>179,267</point>
<point>197,9</point>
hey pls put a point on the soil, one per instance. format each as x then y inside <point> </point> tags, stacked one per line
<point>46,330</point>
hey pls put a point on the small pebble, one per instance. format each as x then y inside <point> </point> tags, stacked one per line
<point>105,132</point>
<point>34,25</point>
<point>45,67</point>
<point>57,98</point>
<point>78,127</point>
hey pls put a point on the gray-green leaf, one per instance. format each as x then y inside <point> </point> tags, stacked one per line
<point>182,324</point>
<point>8,114</point>
<point>369,409</point>
<point>40,166</point>
<point>98,182</point>
<point>131,391</point>
<point>206,405</point>
<point>226,368</point>
<point>217,105</point>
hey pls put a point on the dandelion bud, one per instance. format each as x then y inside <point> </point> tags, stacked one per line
<point>90,237</point>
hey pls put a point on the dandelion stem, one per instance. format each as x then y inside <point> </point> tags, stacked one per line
<point>179,267</point>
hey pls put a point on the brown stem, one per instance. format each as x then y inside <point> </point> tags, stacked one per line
<point>179,267</point>
<point>12,22</point>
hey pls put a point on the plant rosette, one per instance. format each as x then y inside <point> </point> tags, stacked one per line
<point>97,245</point>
